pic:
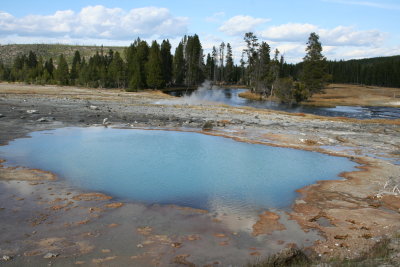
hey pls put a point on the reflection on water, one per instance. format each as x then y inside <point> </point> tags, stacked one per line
<point>165,167</point>
<point>231,97</point>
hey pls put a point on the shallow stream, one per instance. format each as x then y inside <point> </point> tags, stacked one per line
<point>230,96</point>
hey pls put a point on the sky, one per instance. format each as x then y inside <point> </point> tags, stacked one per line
<point>347,29</point>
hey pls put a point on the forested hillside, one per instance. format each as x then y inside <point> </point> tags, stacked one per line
<point>381,71</point>
<point>9,52</point>
<point>378,71</point>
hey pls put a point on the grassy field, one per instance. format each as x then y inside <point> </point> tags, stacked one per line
<point>347,95</point>
<point>355,95</point>
<point>9,52</point>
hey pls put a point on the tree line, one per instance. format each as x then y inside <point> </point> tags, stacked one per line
<point>380,71</point>
<point>142,66</point>
<point>273,77</point>
<point>154,66</point>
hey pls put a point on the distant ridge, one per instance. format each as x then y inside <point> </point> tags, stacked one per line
<point>9,52</point>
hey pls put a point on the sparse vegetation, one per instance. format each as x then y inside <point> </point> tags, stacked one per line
<point>288,257</point>
<point>384,252</point>
<point>252,96</point>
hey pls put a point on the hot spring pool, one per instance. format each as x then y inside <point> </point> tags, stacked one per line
<point>168,167</point>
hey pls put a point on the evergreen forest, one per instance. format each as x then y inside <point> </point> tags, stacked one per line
<point>154,66</point>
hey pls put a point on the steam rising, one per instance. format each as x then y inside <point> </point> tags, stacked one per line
<point>206,93</point>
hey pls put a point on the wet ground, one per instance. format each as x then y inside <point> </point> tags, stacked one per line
<point>39,216</point>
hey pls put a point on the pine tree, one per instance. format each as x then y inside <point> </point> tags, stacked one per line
<point>179,65</point>
<point>75,68</point>
<point>166,61</point>
<point>209,70</point>
<point>194,60</point>
<point>83,73</point>
<point>116,71</point>
<point>265,76</point>
<point>130,54</point>
<point>252,57</point>
<point>215,62</point>
<point>136,82</point>
<point>30,67</point>
<point>3,72</point>
<point>48,72</point>
<point>32,60</point>
<point>40,71</point>
<point>221,62</point>
<point>137,58</point>
<point>154,75</point>
<point>93,70</point>
<point>315,67</point>
<point>62,72</point>
<point>229,67</point>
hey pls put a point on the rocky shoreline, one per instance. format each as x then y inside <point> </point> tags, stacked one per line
<point>340,219</point>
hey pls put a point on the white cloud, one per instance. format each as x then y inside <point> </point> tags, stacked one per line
<point>338,36</point>
<point>290,32</point>
<point>342,35</point>
<point>97,22</point>
<point>240,24</point>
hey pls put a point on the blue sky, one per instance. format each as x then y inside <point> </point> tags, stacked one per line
<point>348,29</point>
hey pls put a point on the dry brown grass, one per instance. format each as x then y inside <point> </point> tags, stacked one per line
<point>73,92</point>
<point>251,96</point>
<point>355,95</point>
<point>310,142</point>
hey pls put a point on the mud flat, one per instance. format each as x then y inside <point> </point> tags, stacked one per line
<point>45,220</point>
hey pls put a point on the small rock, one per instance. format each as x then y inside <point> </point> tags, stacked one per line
<point>7,258</point>
<point>94,107</point>
<point>32,111</point>
<point>176,245</point>
<point>1,116</point>
<point>208,125</point>
<point>50,255</point>
<point>139,245</point>
<point>45,119</point>
<point>341,237</point>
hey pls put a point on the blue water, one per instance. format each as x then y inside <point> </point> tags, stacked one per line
<point>168,167</point>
